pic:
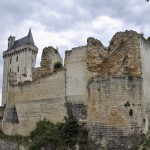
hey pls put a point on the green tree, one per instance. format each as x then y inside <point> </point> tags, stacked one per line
<point>148,39</point>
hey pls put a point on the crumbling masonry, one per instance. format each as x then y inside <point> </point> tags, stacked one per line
<point>107,88</point>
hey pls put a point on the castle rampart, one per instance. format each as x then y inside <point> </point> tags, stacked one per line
<point>107,88</point>
<point>116,114</point>
<point>43,98</point>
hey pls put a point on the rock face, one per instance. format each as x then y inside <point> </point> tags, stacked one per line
<point>122,57</point>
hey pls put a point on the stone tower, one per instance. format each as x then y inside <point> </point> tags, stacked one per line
<point>19,59</point>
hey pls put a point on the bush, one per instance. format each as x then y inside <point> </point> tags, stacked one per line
<point>67,133</point>
<point>148,39</point>
<point>22,140</point>
<point>57,65</point>
<point>128,72</point>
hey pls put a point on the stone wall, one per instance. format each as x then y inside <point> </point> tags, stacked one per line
<point>44,88</point>
<point>2,109</point>
<point>95,55</point>
<point>121,58</point>
<point>43,98</point>
<point>145,53</point>
<point>116,116</point>
<point>7,145</point>
<point>75,64</point>
<point>50,57</point>
<point>20,60</point>
<point>114,108</point>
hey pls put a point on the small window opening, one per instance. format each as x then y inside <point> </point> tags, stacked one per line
<point>17,59</point>
<point>18,69</point>
<point>10,60</point>
<point>10,70</point>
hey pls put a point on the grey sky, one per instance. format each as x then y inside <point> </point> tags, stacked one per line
<point>68,23</point>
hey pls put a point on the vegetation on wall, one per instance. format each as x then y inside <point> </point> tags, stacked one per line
<point>57,65</point>
<point>148,39</point>
<point>20,140</point>
<point>128,72</point>
<point>65,134</point>
<point>62,135</point>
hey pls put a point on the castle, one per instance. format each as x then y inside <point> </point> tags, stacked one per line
<point>107,88</point>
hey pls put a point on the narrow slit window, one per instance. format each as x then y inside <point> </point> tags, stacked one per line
<point>10,70</point>
<point>18,69</point>
<point>10,60</point>
<point>17,59</point>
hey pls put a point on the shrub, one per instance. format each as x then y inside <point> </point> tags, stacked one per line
<point>147,143</point>
<point>148,39</point>
<point>57,65</point>
<point>67,133</point>
<point>128,72</point>
<point>109,73</point>
<point>22,140</point>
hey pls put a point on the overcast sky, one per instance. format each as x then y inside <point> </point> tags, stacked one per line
<point>68,23</point>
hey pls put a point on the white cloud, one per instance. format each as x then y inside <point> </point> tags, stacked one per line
<point>105,22</point>
<point>67,3</point>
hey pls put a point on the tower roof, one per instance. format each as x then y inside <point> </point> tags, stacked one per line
<point>24,40</point>
<point>30,37</point>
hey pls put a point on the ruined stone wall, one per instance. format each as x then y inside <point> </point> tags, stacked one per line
<point>121,58</point>
<point>44,88</point>
<point>145,53</point>
<point>95,54</point>
<point>75,64</point>
<point>32,101</point>
<point>50,57</point>
<point>5,81</point>
<point>116,116</point>
<point>2,109</point>
<point>7,145</point>
<point>114,108</point>
<point>77,77</point>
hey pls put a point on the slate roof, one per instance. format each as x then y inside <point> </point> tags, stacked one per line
<point>24,40</point>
